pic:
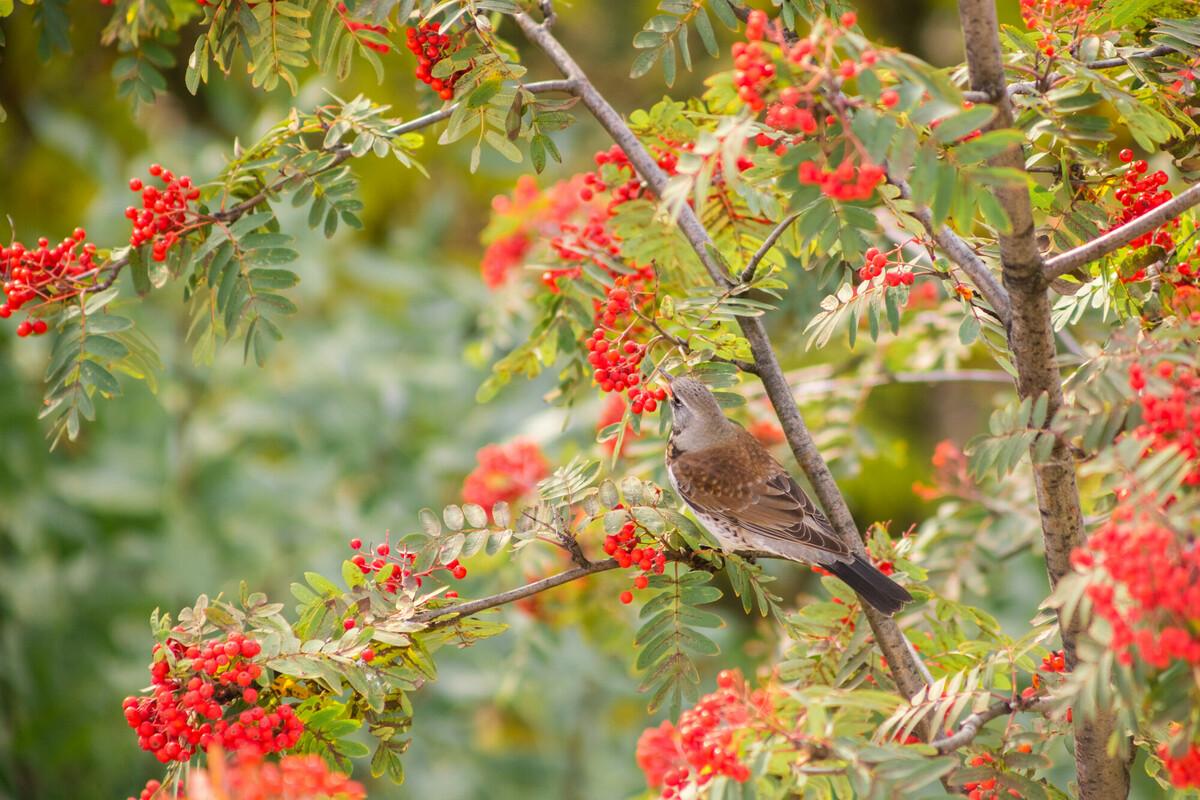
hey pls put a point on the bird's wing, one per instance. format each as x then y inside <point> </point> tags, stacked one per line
<point>740,484</point>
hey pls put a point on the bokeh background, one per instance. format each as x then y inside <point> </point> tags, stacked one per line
<point>364,414</point>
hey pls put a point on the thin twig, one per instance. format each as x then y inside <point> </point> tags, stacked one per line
<point>1122,60</point>
<point>1038,87</point>
<point>439,617</point>
<point>765,247</point>
<point>958,251</point>
<point>682,344</point>
<point>969,728</point>
<point>1121,236</point>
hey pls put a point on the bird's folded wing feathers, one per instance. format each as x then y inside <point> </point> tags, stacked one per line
<point>761,498</point>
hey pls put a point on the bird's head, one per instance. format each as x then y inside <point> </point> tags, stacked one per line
<point>696,416</point>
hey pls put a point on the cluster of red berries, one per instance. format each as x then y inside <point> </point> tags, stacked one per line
<point>163,215</point>
<point>617,361</point>
<point>623,183</point>
<point>399,565</point>
<point>248,776</point>
<point>259,731</point>
<point>1150,597</point>
<point>627,547</point>
<point>294,777</point>
<point>154,789</point>
<point>1056,661</point>
<point>505,473</point>
<point>430,45</point>
<point>791,114</point>
<point>354,27</point>
<point>590,241</point>
<point>704,746</point>
<point>1185,770</point>
<point>1049,16</point>
<point>1139,194</point>
<point>617,364</point>
<point>753,70</point>
<point>875,264</point>
<point>1170,412</point>
<point>187,710</point>
<point>848,68</point>
<point>985,789</point>
<point>1188,273</point>
<point>848,182</point>
<point>45,274</point>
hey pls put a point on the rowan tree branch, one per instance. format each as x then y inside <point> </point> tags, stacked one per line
<point>1031,339</point>
<point>752,267</point>
<point>439,617</point>
<point>1119,237</point>
<point>1038,87</point>
<point>969,728</point>
<point>434,117</point>
<point>887,633</point>
<point>959,252</point>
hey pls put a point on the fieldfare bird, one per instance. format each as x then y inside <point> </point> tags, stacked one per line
<point>748,501</point>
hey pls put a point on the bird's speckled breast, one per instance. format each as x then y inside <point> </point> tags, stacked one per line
<point>728,537</point>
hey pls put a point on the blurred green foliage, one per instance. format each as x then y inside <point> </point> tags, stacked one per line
<point>364,414</point>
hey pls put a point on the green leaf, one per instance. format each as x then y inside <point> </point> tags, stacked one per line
<point>503,146</point>
<point>483,94</point>
<point>947,182</point>
<point>644,62</point>
<point>273,278</point>
<point>968,329</point>
<point>707,36</point>
<point>96,375</point>
<point>105,347</point>
<point>988,145</point>
<point>108,323</point>
<point>956,126</point>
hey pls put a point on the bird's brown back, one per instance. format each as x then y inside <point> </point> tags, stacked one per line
<point>739,482</point>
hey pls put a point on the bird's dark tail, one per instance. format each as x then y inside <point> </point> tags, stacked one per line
<point>872,585</point>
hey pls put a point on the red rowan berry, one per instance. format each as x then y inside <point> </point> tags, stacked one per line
<point>431,45</point>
